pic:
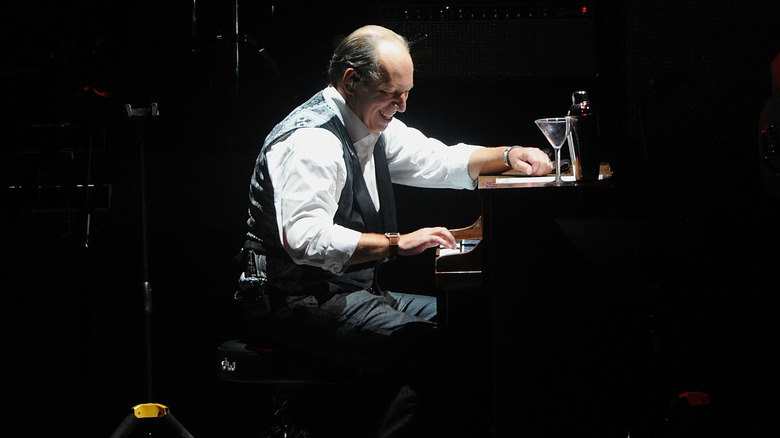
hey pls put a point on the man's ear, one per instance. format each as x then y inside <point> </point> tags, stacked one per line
<point>350,79</point>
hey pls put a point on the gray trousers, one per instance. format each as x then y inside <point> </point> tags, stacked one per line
<point>389,336</point>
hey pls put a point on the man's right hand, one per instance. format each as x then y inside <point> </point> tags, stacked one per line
<point>418,241</point>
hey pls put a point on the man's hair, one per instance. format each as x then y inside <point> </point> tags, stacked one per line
<point>359,51</point>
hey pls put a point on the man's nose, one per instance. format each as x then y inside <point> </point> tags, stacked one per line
<point>400,102</point>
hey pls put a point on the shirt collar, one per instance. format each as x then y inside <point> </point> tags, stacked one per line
<point>355,127</point>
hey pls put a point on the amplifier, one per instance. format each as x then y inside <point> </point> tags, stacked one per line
<point>502,41</point>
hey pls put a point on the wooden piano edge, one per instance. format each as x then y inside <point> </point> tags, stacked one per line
<point>473,231</point>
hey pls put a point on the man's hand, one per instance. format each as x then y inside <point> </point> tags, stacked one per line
<point>418,241</point>
<point>374,246</point>
<point>527,160</point>
<point>530,161</point>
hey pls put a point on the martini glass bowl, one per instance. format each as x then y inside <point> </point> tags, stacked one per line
<point>556,130</point>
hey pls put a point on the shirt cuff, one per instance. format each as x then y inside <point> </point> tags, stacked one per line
<point>459,165</point>
<point>344,242</point>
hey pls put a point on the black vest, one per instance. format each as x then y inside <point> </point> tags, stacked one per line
<point>356,210</point>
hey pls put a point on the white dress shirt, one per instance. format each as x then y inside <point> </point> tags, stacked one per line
<point>308,173</point>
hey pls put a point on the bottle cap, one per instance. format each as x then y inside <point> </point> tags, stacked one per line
<point>579,96</point>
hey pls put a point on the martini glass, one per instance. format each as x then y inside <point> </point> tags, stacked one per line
<point>556,130</point>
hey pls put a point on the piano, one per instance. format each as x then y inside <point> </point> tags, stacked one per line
<point>461,268</point>
<point>502,292</point>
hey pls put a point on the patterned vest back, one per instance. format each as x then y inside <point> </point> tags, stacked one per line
<point>355,208</point>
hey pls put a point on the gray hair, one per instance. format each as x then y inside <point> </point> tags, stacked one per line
<point>358,51</point>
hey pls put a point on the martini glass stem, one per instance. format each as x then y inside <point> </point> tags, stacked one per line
<point>556,129</point>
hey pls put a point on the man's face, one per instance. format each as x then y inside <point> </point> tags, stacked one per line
<point>374,102</point>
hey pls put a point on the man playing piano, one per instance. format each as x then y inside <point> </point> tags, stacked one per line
<point>322,216</point>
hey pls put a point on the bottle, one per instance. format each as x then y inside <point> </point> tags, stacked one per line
<point>584,138</point>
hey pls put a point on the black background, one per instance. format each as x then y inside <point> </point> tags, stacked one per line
<point>689,254</point>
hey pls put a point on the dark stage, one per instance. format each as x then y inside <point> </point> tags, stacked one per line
<point>681,264</point>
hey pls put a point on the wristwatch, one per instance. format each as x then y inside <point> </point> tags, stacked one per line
<point>393,238</point>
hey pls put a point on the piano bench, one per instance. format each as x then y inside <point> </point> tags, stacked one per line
<point>284,374</point>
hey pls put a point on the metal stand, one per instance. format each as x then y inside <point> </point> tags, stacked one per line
<point>238,39</point>
<point>146,411</point>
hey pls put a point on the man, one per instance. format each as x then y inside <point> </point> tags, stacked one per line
<point>322,215</point>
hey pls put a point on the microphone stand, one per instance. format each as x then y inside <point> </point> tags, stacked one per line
<point>146,411</point>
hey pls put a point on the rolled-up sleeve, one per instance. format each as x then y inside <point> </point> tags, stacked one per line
<point>308,173</point>
<point>420,161</point>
